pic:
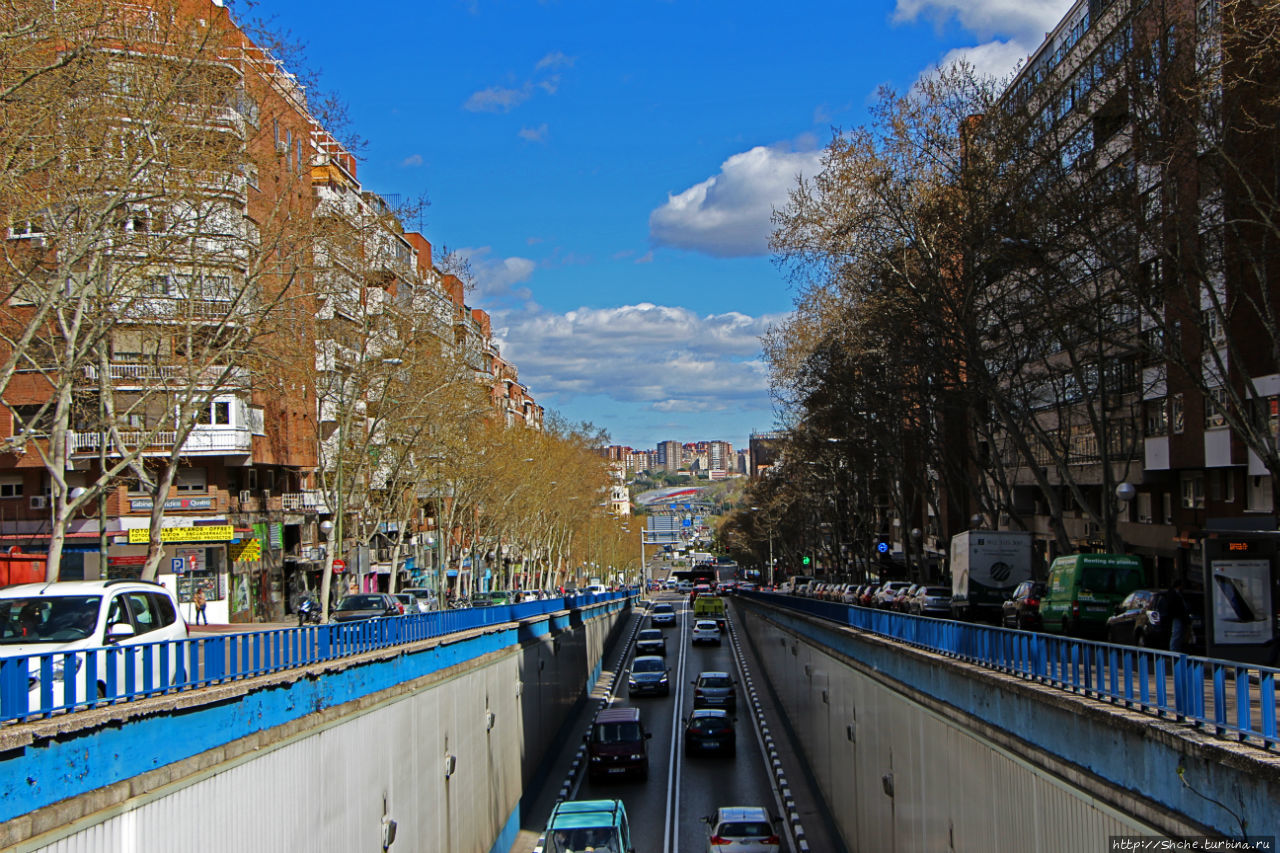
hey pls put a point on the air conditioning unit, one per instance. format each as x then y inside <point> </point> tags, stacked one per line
<point>39,502</point>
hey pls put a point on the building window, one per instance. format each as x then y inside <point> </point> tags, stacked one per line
<point>1157,418</point>
<point>10,487</point>
<point>217,413</point>
<point>1177,414</point>
<point>1193,491</point>
<point>1258,498</point>
<point>191,480</point>
<point>1214,404</point>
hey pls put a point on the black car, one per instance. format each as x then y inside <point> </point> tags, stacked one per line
<point>1022,608</point>
<point>353,608</point>
<point>1142,620</point>
<point>651,641</point>
<point>710,731</point>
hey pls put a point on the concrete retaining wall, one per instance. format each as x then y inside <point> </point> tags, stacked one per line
<point>441,737</point>
<point>920,752</point>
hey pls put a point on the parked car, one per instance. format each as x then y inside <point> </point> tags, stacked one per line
<point>930,601</point>
<point>867,598</point>
<point>662,614</point>
<point>651,641</point>
<point>1022,608</point>
<point>480,599</point>
<point>742,829</point>
<point>715,690</point>
<point>886,595</point>
<point>71,617</point>
<point>616,745</point>
<point>1083,590</point>
<point>706,631</point>
<point>425,598</point>
<point>901,599</point>
<point>371,605</point>
<point>1142,620</point>
<point>710,730</point>
<point>648,676</point>
<point>408,604</point>
<point>577,825</point>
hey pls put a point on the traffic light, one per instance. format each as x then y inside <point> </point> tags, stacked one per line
<point>807,560</point>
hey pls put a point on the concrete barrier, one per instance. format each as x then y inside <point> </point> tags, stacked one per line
<point>921,752</point>
<point>441,737</point>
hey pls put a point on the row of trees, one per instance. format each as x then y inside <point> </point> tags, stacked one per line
<point>168,265</point>
<point>1007,285</point>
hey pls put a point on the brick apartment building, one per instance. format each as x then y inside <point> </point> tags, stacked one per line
<point>234,303</point>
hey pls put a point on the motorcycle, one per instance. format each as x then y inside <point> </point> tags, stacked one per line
<point>308,611</point>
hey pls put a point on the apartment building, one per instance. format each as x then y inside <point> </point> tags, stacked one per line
<point>242,287</point>
<point>1169,428</point>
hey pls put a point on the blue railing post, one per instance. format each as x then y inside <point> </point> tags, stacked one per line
<point>14,689</point>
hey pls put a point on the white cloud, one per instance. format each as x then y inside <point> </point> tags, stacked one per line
<point>412,160</point>
<point>664,358</point>
<point>728,214</point>
<point>555,59</point>
<point>996,59</point>
<point>1026,21</point>
<point>497,99</point>
<point>534,134</point>
<point>496,278</point>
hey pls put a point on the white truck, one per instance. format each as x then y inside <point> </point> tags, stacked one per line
<point>985,567</point>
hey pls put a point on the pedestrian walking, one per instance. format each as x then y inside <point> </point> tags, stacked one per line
<point>1179,616</point>
<point>199,601</point>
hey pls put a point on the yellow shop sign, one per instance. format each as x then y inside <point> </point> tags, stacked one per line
<point>203,533</point>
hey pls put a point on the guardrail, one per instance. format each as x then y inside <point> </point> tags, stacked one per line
<point>1225,698</point>
<point>36,686</point>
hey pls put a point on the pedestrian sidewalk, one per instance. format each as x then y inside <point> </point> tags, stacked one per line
<point>237,627</point>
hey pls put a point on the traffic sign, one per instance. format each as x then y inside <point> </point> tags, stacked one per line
<point>177,564</point>
<point>882,547</point>
<point>339,565</point>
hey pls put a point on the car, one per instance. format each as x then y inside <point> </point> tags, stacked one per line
<point>1141,620</point>
<point>706,631</point>
<point>662,614</point>
<point>931,601</point>
<point>651,641</point>
<point>408,604</point>
<point>1083,591</point>
<point>73,617</point>
<point>709,730</point>
<point>715,690</point>
<point>887,594</point>
<point>901,600</point>
<point>616,745</point>
<point>742,829</point>
<point>481,599</point>
<point>747,586</point>
<point>426,598</point>
<point>1022,608</point>
<point>648,677</point>
<point>578,825</point>
<point>365,605</point>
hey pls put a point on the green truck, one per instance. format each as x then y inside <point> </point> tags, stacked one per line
<point>1084,589</point>
<point>709,607</point>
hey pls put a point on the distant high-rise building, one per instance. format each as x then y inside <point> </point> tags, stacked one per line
<point>670,456</point>
<point>719,456</point>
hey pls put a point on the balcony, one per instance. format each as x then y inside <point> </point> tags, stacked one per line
<point>175,375</point>
<point>309,500</point>
<point>208,442</point>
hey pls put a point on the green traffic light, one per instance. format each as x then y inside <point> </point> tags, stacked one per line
<point>807,561</point>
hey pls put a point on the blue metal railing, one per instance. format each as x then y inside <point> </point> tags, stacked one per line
<point>33,686</point>
<point>1225,698</point>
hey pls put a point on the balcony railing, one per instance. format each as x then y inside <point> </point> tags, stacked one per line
<point>198,441</point>
<point>169,374</point>
<point>310,500</point>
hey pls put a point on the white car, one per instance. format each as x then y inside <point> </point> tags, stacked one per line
<point>706,631</point>
<point>742,829</point>
<point>59,625</point>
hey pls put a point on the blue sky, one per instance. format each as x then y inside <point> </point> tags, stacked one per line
<point>609,166</point>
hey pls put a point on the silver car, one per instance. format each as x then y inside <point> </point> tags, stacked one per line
<point>715,690</point>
